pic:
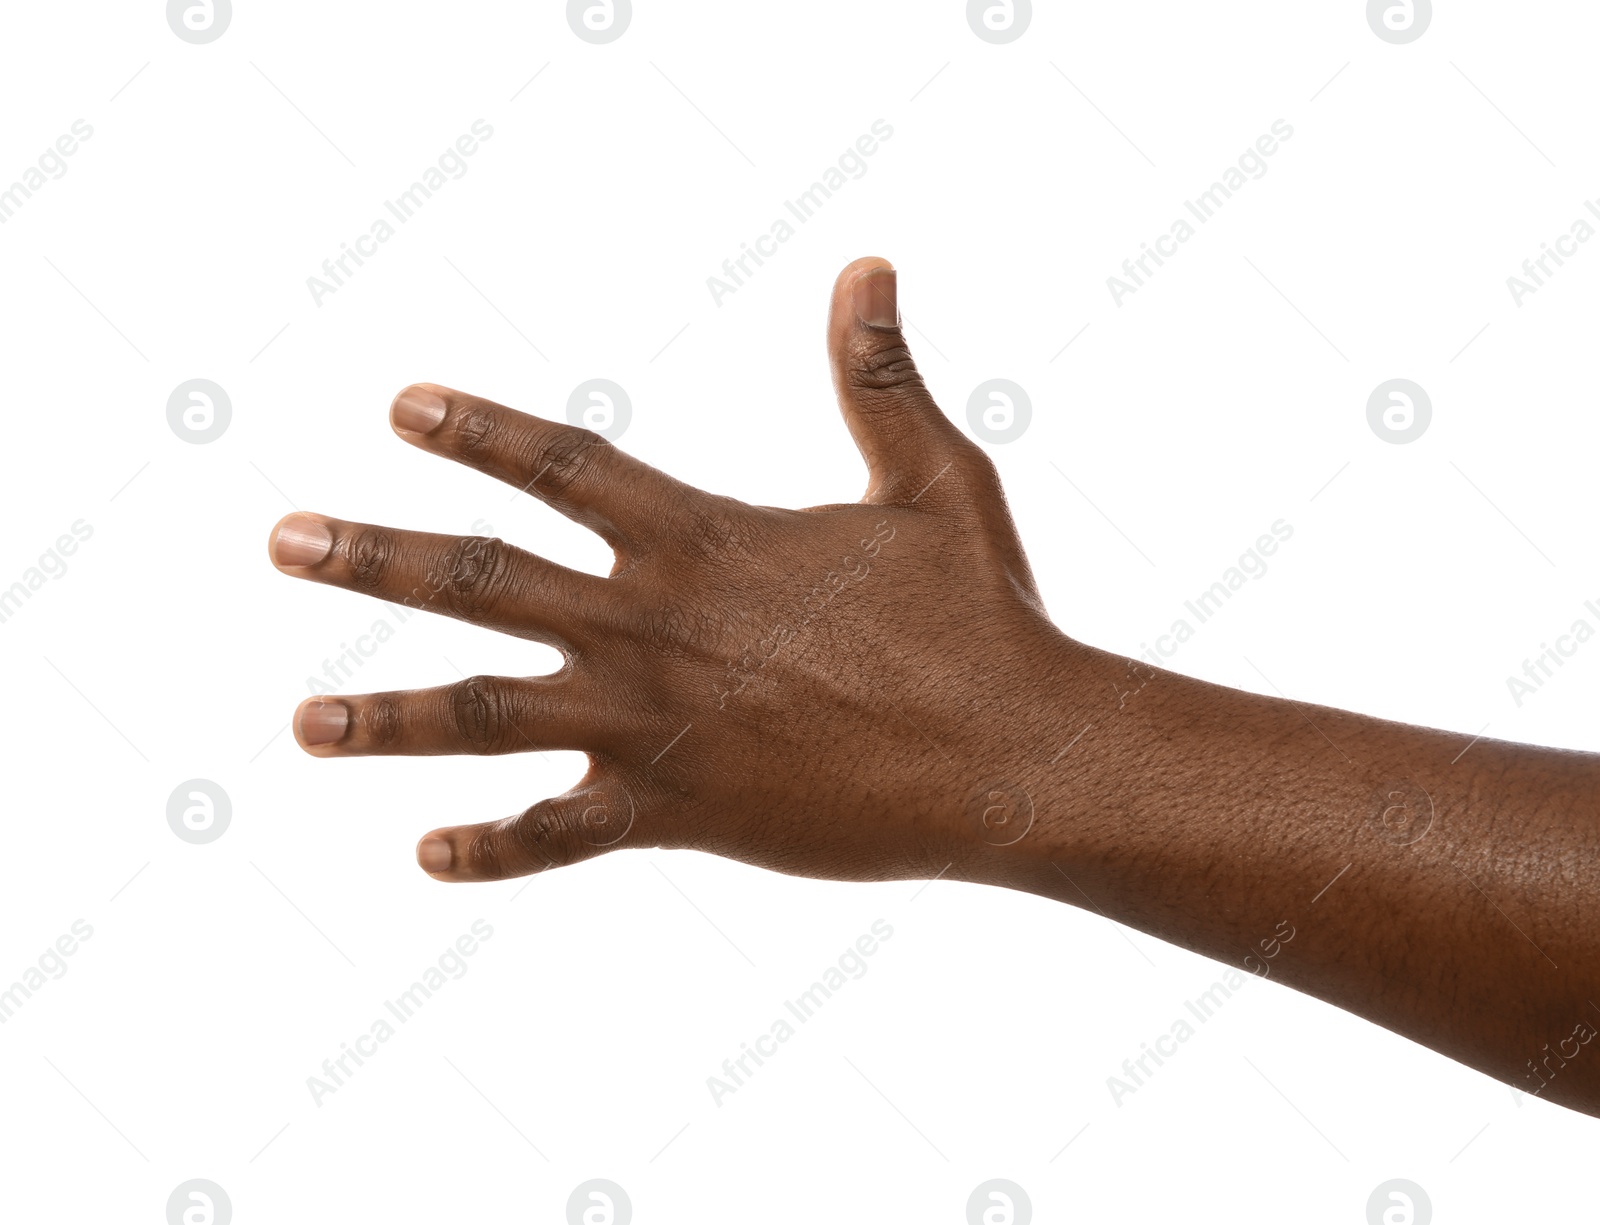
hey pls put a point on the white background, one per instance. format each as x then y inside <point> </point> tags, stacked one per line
<point>1228,393</point>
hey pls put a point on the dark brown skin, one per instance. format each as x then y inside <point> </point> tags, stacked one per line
<point>874,692</point>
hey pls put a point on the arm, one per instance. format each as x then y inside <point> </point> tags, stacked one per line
<point>1447,895</point>
<point>873,691</point>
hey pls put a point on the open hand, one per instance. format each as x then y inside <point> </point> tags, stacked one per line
<point>832,692</point>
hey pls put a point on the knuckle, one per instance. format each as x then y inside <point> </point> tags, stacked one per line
<point>487,852</point>
<point>371,553</point>
<point>885,369</point>
<point>711,531</point>
<point>476,574</point>
<point>664,629</point>
<point>477,432</point>
<point>673,629</point>
<point>606,817</point>
<point>384,721</point>
<point>545,836</point>
<point>549,458</point>
<point>560,457</point>
<point>483,714</point>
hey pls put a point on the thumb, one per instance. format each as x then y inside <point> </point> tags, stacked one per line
<point>907,441</point>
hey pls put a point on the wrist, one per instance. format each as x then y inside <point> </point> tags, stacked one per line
<point>1078,721</point>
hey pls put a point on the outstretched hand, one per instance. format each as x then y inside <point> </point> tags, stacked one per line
<point>830,692</point>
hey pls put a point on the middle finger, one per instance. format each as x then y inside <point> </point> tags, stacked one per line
<point>477,579</point>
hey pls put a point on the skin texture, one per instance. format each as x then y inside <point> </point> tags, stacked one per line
<point>874,691</point>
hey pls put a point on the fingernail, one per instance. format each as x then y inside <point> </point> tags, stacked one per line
<point>323,722</point>
<point>876,295</point>
<point>434,855</point>
<point>301,541</point>
<point>418,410</point>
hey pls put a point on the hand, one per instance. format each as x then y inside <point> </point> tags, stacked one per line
<point>834,692</point>
<point>874,691</point>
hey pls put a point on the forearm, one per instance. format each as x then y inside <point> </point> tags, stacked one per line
<point>1448,893</point>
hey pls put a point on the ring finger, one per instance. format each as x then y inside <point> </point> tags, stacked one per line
<point>487,715</point>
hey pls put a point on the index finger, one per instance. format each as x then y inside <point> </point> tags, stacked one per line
<point>574,470</point>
